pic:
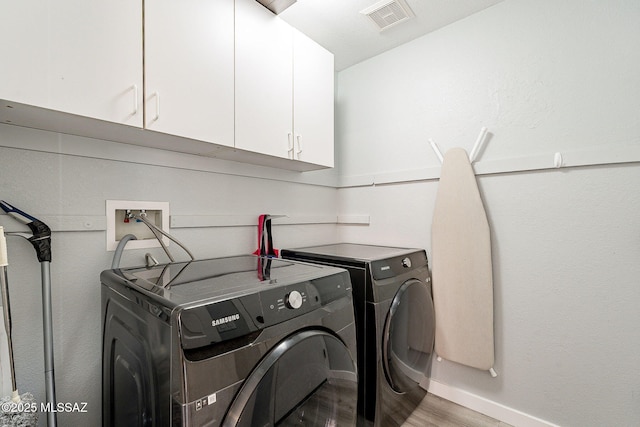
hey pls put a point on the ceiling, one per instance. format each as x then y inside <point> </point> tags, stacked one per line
<point>339,26</point>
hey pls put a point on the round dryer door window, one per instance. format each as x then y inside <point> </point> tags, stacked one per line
<point>408,336</point>
<point>308,379</point>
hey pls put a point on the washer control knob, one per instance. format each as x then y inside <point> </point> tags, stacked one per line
<point>293,300</point>
<point>406,263</point>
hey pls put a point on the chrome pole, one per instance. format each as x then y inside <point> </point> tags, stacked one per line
<point>6,311</point>
<point>48,344</point>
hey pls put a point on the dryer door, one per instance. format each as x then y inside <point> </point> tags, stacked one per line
<point>408,336</point>
<point>307,379</point>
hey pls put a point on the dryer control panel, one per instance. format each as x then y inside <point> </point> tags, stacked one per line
<point>392,267</point>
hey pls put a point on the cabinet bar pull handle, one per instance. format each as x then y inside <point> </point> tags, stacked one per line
<point>291,146</point>
<point>157,95</point>
<point>299,146</point>
<point>135,99</point>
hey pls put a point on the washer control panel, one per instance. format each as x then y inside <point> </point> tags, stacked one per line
<point>288,302</point>
<point>293,300</point>
<point>236,317</point>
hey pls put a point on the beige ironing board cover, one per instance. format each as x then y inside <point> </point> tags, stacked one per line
<point>461,267</point>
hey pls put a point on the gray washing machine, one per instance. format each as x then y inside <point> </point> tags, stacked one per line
<point>395,324</point>
<point>239,341</point>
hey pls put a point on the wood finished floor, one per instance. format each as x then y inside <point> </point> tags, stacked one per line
<point>435,411</point>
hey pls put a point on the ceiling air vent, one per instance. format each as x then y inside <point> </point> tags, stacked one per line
<point>276,6</point>
<point>387,13</point>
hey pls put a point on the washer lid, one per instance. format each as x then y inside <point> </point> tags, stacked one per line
<point>352,251</point>
<point>216,279</point>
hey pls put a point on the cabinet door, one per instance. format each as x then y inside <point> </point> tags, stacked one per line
<point>313,101</point>
<point>264,76</point>
<point>74,56</point>
<point>24,31</point>
<point>189,69</point>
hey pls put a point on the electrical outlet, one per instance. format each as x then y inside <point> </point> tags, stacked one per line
<point>121,220</point>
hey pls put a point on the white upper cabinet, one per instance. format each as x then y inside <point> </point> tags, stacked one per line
<point>264,75</point>
<point>74,56</point>
<point>219,78</point>
<point>189,70</point>
<point>313,101</point>
<point>284,89</point>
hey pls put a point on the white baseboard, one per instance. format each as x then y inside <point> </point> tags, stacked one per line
<point>487,407</point>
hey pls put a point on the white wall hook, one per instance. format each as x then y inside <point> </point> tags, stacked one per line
<point>477,147</point>
<point>482,137</point>
<point>557,161</point>
<point>436,150</point>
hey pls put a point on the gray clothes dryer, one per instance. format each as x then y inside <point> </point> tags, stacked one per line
<point>395,324</point>
<point>239,341</point>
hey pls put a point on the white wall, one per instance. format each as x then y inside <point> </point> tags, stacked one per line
<point>58,185</point>
<point>543,76</point>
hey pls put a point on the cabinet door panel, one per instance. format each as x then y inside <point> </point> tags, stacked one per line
<point>24,27</point>
<point>74,56</point>
<point>313,100</point>
<point>264,76</point>
<point>189,69</point>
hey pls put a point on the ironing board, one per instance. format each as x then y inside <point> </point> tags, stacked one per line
<point>461,267</point>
